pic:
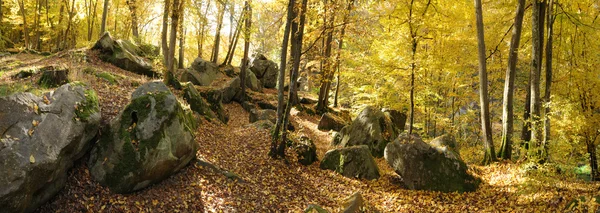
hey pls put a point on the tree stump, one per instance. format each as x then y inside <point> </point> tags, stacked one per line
<point>53,76</point>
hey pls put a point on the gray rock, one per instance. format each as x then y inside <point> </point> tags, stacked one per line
<point>215,101</point>
<point>445,141</point>
<point>337,136</point>
<point>263,114</point>
<point>398,118</point>
<point>330,121</point>
<point>40,141</point>
<point>305,150</point>
<point>197,104</point>
<point>423,167</point>
<point>201,72</point>
<point>230,90</point>
<point>252,82</point>
<point>262,124</point>
<point>354,203</point>
<point>124,55</point>
<point>266,71</point>
<point>372,128</point>
<point>151,139</point>
<point>353,162</point>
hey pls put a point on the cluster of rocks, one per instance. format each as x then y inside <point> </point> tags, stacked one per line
<point>376,133</point>
<point>42,137</point>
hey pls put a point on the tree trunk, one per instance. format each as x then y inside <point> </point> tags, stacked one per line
<point>181,48</point>
<point>414,45</point>
<point>233,43</point>
<point>25,29</point>
<point>546,139</point>
<point>483,94</point>
<point>297,36</point>
<point>104,15</point>
<point>1,16</point>
<point>60,18</point>
<point>38,32</point>
<point>134,19</point>
<point>281,77</point>
<point>339,51</point>
<point>327,69</point>
<point>215,53</point>
<point>509,85</point>
<point>203,28</point>
<point>591,149</point>
<point>537,41</point>
<point>168,77</point>
<point>163,35</point>
<point>247,14</point>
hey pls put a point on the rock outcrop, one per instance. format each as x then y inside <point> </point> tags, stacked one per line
<point>124,54</point>
<point>151,139</point>
<point>424,167</point>
<point>41,138</point>
<point>353,162</point>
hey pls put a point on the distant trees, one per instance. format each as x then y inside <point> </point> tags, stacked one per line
<point>132,5</point>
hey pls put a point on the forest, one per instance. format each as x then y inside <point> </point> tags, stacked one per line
<point>299,106</point>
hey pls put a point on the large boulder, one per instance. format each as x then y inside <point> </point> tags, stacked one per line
<point>196,102</point>
<point>329,121</point>
<point>124,55</point>
<point>40,139</point>
<point>201,73</point>
<point>446,141</point>
<point>151,139</point>
<point>266,71</point>
<point>423,167</point>
<point>305,150</point>
<point>252,81</point>
<point>263,114</point>
<point>215,100</point>
<point>230,90</point>
<point>398,118</point>
<point>353,162</point>
<point>371,128</point>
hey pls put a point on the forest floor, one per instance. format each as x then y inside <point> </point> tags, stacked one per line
<point>267,185</point>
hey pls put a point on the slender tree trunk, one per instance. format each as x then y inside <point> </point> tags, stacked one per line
<point>163,35</point>
<point>535,72</point>
<point>297,36</point>
<point>215,54</point>
<point>483,94</point>
<point>233,43</point>
<point>591,149</point>
<point>25,28</point>
<point>340,46</point>
<point>168,77</point>
<point>509,85</point>
<point>203,28</point>
<point>1,16</point>
<point>38,32</point>
<point>327,69</point>
<point>60,19</point>
<point>247,14</point>
<point>550,25</point>
<point>414,45</point>
<point>104,15</point>
<point>181,48</point>
<point>134,19</point>
<point>281,77</point>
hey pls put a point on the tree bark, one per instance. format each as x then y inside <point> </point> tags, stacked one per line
<point>550,25</point>
<point>181,48</point>
<point>297,36</point>
<point>509,85</point>
<point>25,29</point>
<point>339,51</point>
<point>281,77</point>
<point>202,30</point>
<point>233,43</point>
<point>168,77</point>
<point>215,53</point>
<point>483,94</point>
<point>535,73</point>
<point>326,69</point>
<point>38,32</point>
<point>1,16</point>
<point>591,149</point>
<point>247,14</point>
<point>134,19</point>
<point>163,35</point>
<point>104,15</point>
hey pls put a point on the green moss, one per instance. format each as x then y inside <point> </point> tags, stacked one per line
<point>112,79</point>
<point>88,107</point>
<point>89,70</point>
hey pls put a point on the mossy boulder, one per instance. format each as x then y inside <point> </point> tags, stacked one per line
<point>398,118</point>
<point>266,71</point>
<point>352,162</point>
<point>252,82</point>
<point>423,167</point>
<point>372,128</point>
<point>446,141</point>
<point>230,90</point>
<point>214,98</point>
<point>108,77</point>
<point>263,114</point>
<point>305,150</point>
<point>41,138</point>
<point>124,54</point>
<point>201,72</point>
<point>196,102</point>
<point>151,139</point>
<point>329,121</point>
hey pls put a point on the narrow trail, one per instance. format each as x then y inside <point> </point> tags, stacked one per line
<point>268,185</point>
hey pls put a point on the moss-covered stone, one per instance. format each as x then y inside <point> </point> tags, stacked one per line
<point>196,102</point>
<point>110,78</point>
<point>353,162</point>
<point>88,107</point>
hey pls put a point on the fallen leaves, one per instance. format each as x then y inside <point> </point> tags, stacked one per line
<point>31,159</point>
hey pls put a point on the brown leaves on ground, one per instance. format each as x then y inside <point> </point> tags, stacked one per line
<point>271,185</point>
